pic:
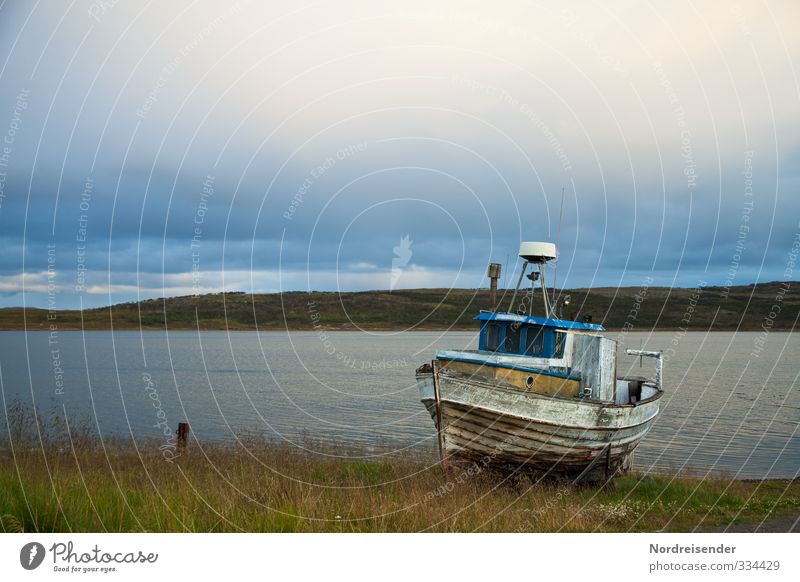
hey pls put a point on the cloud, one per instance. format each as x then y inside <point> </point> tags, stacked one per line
<point>329,132</point>
<point>32,282</point>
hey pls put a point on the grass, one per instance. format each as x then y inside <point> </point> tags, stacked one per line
<point>74,482</point>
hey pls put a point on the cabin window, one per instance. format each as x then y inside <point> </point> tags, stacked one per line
<point>534,340</point>
<point>513,338</point>
<point>558,348</point>
<point>492,337</point>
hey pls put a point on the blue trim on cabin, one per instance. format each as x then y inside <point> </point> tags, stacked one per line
<point>532,319</point>
<point>512,367</point>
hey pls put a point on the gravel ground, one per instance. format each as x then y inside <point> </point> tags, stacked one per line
<point>784,524</point>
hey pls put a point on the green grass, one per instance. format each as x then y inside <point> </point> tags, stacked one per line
<point>55,480</point>
<point>264,487</point>
<point>716,308</point>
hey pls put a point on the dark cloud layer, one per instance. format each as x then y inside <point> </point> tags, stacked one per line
<point>145,146</point>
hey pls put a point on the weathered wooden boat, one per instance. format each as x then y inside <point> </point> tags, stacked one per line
<point>540,393</point>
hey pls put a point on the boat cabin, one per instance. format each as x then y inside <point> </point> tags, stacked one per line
<point>546,355</point>
<point>541,354</point>
<point>526,335</point>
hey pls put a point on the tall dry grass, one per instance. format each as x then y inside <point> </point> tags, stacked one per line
<point>58,480</point>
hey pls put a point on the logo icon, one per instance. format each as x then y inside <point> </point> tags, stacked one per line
<point>31,555</point>
<point>402,257</point>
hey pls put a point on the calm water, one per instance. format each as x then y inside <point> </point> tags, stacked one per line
<point>724,410</point>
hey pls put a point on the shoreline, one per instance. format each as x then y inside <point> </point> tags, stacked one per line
<point>388,329</point>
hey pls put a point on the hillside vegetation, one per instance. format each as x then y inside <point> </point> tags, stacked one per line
<point>775,305</point>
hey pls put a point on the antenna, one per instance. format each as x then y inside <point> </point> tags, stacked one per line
<point>558,239</point>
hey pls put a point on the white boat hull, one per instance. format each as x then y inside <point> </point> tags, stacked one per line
<point>497,425</point>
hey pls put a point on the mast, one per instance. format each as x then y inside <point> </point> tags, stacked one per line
<point>519,282</point>
<point>539,254</point>
<point>544,292</point>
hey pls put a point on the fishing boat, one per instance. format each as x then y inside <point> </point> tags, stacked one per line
<point>541,392</point>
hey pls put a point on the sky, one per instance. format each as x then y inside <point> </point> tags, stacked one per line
<point>154,150</point>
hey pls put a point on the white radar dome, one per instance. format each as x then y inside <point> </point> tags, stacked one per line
<point>537,252</point>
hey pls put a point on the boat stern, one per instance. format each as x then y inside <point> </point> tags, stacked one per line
<point>427,393</point>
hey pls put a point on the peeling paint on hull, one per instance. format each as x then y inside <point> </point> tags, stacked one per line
<point>501,426</point>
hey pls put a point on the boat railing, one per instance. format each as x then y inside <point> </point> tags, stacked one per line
<point>659,356</point>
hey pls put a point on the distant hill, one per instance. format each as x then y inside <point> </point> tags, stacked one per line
<point>743,307</point>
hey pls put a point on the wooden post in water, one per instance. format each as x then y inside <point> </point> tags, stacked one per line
<point>183,435</point>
